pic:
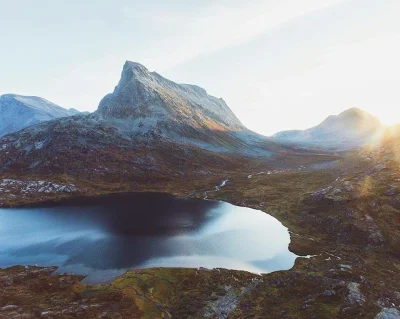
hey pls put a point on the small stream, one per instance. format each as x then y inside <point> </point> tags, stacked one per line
<point>217,188</point>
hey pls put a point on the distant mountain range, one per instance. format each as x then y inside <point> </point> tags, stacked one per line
<point>351,128</point>
<point>18,112</point>
<point>152,123</point>
<point>147,123</point>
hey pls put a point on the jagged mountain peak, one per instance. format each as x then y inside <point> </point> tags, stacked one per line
<point>145,102</point>
<point>134,65</point>
<point>145,113</point>
<point>134,69</point>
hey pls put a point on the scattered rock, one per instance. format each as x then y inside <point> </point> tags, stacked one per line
<point>393,190</point>
<point>354,296</point>
<point>321,193</point>
<point>345,267</point>
<point>329,293</point>
<point>347,186</point>
<point>396,202</point>
<point>376,238</point>
<point>29,187</point>
<point>8,308</point>
<point>337,191</point>
<point>305,306</point>
<point>388,313</point>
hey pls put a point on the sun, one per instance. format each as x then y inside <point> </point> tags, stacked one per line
<point>388,115</point>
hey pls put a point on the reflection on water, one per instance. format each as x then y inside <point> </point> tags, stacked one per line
<point>103,239</point>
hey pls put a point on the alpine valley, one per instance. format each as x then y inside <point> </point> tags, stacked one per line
<point>336,187</point>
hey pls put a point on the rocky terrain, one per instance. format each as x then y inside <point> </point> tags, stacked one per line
<point>146,104</point>
<point>342,210</point>
<point>350,129</point>
<point>145,111</point>
<point>345,217</point>
<point>18,112</point>
<point>150,293</point>
<point>149,128</point>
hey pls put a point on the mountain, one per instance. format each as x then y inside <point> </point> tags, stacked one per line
<point>149,128</point>
<point>148,124</point>
<point>18,112</point>
<point>146,105</point>
<point>145,101</point>
<point>351,128</point>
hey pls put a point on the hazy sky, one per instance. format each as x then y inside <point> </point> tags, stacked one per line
<point>279,64</point>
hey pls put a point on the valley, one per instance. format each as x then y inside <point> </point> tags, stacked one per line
<point>339,202</point>
<point>344,218</point>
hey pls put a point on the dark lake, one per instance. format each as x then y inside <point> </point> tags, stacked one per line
<point>106,237</point>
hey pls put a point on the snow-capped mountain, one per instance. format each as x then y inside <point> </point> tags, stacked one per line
<point>351,128</point>
<point>18,112</point>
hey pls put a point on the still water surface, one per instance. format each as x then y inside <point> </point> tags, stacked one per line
<point>106,237</point>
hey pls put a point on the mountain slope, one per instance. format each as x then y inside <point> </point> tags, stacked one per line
<point>148,124</point>
<point>351,128</point>
<point>145,104</point>
<point>151,100</point>
<point>18,112</point>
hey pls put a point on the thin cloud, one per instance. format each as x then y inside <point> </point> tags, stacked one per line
<point>189,34</point>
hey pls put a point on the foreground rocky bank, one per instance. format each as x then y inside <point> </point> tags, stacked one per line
<point>347,218</point>
<point>154,135</point>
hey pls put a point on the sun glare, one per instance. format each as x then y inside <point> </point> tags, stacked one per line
<point>388,116</point>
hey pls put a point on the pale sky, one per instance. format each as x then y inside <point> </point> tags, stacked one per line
<point>279,64</point>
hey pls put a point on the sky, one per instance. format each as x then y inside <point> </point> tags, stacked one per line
<point>279,64</point>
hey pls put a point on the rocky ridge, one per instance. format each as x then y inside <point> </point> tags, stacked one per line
<point>18,112</point>
<point>352,128</point>
<point>146,116</point>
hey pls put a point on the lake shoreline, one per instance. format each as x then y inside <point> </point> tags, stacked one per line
<point>324,283</point>
<point>104,236</point>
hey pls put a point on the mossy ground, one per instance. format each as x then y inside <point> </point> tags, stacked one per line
<point>347,216</point>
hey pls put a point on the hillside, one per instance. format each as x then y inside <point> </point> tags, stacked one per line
<point>18,112</point>
<point>147,123</point>
<point>350,129</point>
